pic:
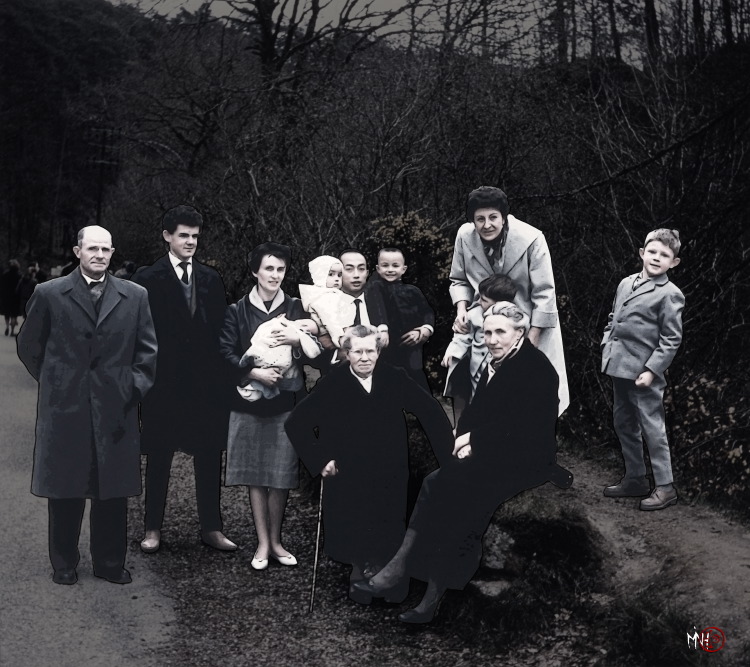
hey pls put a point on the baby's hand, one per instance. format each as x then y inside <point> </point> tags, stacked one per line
<point>446,359</point>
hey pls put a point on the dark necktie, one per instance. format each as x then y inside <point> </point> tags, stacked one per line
<point>357,316</point>
<point>184,267</point>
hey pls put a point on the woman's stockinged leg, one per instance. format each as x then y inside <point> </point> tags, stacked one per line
<point>395,569</point>
<point>276,505</point>
<point>260,505</point>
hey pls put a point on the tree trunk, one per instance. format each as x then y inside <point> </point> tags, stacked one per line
<point>726,13</point>
<point>613,30</point>
<point>699,29</point>
<point>573,31</point>
<point>653,45</point>
<point>562,33</point>
<point>594,31</point>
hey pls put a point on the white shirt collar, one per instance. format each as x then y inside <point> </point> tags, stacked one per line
<point>176,261</point>
<point>92,280</point>
<point>365,382</point>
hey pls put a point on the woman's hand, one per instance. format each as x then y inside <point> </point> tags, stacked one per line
<point>446,362</point>
<point>460,324</point>
<point>286,334</point>
<point>462,442</point>
<point>266,376</point>
<point>330,469</point>
<point>534,333</point>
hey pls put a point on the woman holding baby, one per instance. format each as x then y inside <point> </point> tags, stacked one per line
<point>259,454</point>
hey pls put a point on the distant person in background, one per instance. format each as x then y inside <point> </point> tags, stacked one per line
<point>26,286</point>
<point>9,302</point>
<point>126,271</point>
<point>411,320</point>
<point>41,275</point>
<point>88,340</point>
<point>493,241</point>
<point>187,408</point>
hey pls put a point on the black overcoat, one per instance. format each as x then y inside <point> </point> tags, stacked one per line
<point>512,420</point>
<point>92,371</point>
<point>364,505</point>
<point>188,407</point>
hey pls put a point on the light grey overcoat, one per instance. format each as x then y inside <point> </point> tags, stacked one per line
<point>92,371</point>
<point>526,261</point>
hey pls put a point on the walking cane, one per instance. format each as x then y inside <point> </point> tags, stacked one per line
<point>317,548</point>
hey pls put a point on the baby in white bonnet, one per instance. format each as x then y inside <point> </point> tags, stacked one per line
<point>328,306</point>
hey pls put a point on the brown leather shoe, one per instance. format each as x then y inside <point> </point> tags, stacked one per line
<point>628,487</point>
<point>217,540</point>
<point>151,541</point>
<point>662,497</point>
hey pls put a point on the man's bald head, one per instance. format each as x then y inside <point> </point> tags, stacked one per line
<point>94,250</point>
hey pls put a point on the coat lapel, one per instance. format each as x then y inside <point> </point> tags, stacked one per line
<point>80,294</point>
<point>174,293</point>
<point>648,286</point>
<point>516,245</point>
<point>110,299</point>
<point>477,254</point>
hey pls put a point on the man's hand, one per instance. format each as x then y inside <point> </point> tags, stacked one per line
<point>415,336</point>
<point>330,469</point>
<point>462,442</point>
<point>644,379</point>
<point>463,452</point>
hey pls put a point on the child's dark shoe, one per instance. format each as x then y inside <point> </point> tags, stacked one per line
<point>628,487</point>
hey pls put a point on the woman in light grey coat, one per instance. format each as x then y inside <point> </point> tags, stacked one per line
<point>495,242</point>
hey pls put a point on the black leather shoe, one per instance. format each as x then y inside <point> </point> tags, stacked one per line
<point>65,577</point>
<point>396,593</point>
<point>414,616</point>
<point>357,595</point>
<point>121,576</point>
<point>628,487</point>
<point>560,477</point>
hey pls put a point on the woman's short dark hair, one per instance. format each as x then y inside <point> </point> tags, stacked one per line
<point>486,196</point>
<point>277,250</point>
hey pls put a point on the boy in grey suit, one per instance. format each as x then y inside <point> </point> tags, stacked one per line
<point>640,340</point>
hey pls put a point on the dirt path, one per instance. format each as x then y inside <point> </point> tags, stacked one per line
<point>91,624</point>
<point>698,555</point>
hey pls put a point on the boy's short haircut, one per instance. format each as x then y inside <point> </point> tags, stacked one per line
<point>498,288</point>
<point>181,215</point>
<point>398,250</point>
<point>669,237</point>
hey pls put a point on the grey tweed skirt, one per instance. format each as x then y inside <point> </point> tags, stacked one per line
<point>259,452</point>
